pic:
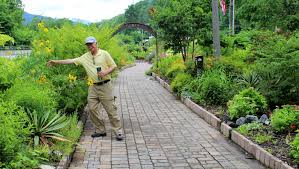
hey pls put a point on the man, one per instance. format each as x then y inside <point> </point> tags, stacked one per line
<point>98,65</point>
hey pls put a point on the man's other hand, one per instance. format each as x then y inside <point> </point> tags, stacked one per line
<point>51,63</point>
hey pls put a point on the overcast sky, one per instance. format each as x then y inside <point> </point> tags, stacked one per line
<point>90,10</point>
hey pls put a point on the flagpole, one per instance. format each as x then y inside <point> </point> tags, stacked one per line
<point>216,31</point>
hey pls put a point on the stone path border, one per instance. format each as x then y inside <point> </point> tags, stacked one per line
<point>258,152</point>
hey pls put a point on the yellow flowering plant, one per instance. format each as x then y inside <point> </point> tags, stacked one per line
<point>89,81</point>
<point>72,78</point>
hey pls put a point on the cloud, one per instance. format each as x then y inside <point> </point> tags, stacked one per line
<point>91,10</point>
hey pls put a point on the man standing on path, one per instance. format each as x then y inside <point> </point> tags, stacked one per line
<point>98,65</point>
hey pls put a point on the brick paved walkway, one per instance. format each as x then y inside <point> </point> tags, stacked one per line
<point>160,133</point>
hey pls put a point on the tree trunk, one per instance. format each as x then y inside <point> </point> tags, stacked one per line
<point>216,31</point>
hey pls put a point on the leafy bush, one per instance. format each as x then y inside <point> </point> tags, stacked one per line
<point>295,148</point>
<point>236,62</point>
<point>250,128</point>
<point>262,138</point>
<point>278,67</point>
<point>67,42</point>
<point>14,131</point>
<point>30,158</point>
<point>72,92</point>
<point>175,68</point>
<point>10,70</point>
<point>246,102</point>
<point>180,81</point>
<point>24,161</point>
<point>72,133</point>
<point>283,118</point>
<point>5,38</point>
<point>32,95</point>
<point>165,64</point>
<point>212,87</point>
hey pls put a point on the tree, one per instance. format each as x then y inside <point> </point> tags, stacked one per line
<point>10,15</point>
<point>182,22</point>
<point>268,14</point>
<point>132,14</point>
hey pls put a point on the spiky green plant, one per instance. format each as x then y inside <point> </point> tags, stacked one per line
<point>46,126</point>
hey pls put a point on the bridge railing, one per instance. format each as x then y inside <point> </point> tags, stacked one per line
<point>12,52</point>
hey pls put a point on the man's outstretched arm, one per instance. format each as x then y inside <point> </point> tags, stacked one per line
<point>61,62</point>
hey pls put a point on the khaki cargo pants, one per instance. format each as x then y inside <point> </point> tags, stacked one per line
<point>99,95</point>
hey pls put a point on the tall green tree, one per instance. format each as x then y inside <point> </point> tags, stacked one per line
<point>10,15</point>
<point>181,22</point>
<point>265,14</point>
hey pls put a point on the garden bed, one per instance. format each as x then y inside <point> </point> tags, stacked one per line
<point>276,145</point>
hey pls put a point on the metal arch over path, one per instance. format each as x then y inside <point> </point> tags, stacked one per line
<point>136,25</point>
<point>147,28</point>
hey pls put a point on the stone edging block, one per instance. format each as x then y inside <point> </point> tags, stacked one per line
<point>258,152</point>
<point>204,114</point>
<point>226,130</point>
<point>127,66</point>
<point>167,86</point>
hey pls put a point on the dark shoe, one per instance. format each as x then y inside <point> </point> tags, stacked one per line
<point>119,137</point>
<point>98,135</point>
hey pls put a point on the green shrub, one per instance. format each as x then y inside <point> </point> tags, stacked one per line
<point>236,62</point>
<point>72,92</point>
<point>282,119</point>
<point>67,42</point>
<point>72,133</point>
<point>295,148</point>
<point>32,95</point>
<point>250,128</point>
<point>24,161</point>
<point>30,158</point>
<point>190,67</point>
<point>14,130</point>
<point>165,64</point>
<point>263,138</point>
<point>212,87</point>
<point>278,67</point>
<point>10,70</point>
<point>180,81</point>
<point>246,102</point>
<point>175,68</point>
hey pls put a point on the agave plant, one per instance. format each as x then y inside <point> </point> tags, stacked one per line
<point>45,126</point>
<point>251,79</point>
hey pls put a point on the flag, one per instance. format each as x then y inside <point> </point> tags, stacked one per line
<point>223,6</point>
